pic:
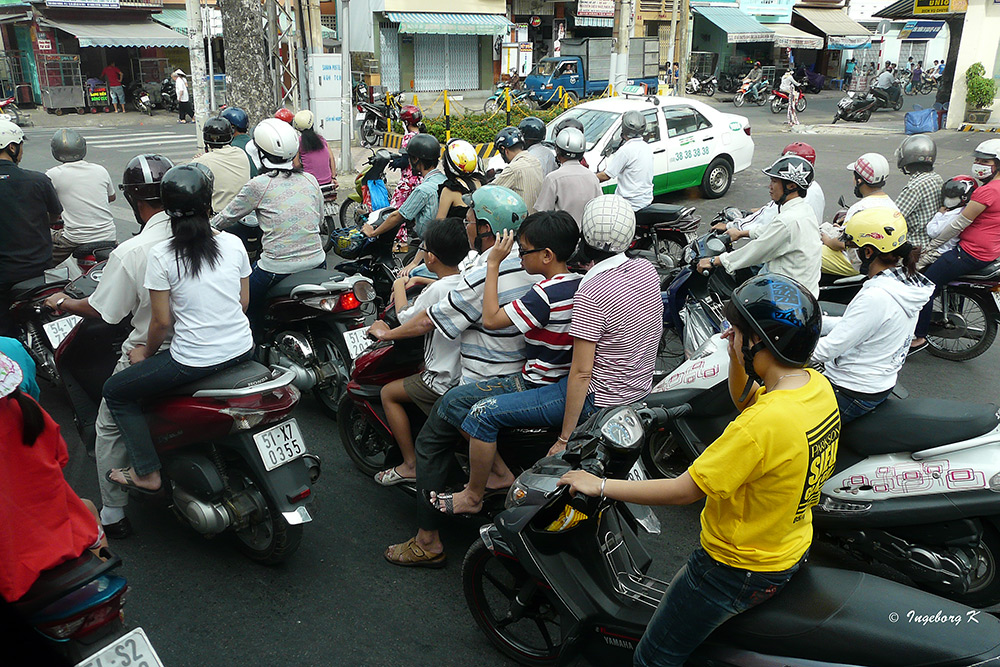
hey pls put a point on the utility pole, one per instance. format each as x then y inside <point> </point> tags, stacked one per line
<point>622,33</point>
<point>206,17</point>
<point>347,106</point>
<point>685,55</point>
<point>196,47</point>
<point>673,31</point>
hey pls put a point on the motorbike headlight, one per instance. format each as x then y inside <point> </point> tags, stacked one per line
<point>689,255</point>
<point>623,429</point>
<point>515,495</point>
<point>364,291</point>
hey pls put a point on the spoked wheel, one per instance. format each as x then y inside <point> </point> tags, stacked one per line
<point>491,105</point>
<point>333,352</point>
<point>269,539</point>
<point>739,99</point>
<point>514,611</point>
<point>367,448</point>
<point>968,330</point>
<point>350,212</point>
<point>800,104</point>
<point>776,105</point>
<point>669,354</point>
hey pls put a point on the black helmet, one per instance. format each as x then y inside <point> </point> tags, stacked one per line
<point>424,147</point>
<point>783,313</point>
<point>532,129</point>
<point>217,132</point>
<point>566,122</point>
<point>237,117</point>
<point>509,137</point>
<point>633,124</point>
<point>186,190</point>
<point>141,180</point>
<point>68,146</point>
<point>792,168</point>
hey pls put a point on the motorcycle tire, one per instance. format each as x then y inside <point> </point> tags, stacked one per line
<point>689,89</point>
<point>492,586</point>
<point>776,106</point>
<point>761,99</point>
<point>836,117</point>
<point>709,90</point>
<point>984,589</point>
<point>491,105</point>
<point>272,540</point>
<point>330,347</point>
<point>739,99</point>
<point>926,88</point>
<point>326,225</point>
<point>898,104</point>
<point>350,213</point>
<point>865,116</point>
<point>369,136</point>
<point>663,457</point>
<point>969,310</point>
<point>800,104</point>
<point>367,448</point>
<point>12,110</point>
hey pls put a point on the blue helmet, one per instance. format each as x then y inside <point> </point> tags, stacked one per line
<point>783,313</point>
<point>237,117</point>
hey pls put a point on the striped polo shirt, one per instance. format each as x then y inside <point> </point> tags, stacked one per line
<point>544,316</point>
<point>621,311</point>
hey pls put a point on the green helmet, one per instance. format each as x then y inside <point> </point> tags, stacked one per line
<point>500,207</point>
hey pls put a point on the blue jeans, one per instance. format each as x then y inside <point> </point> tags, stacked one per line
<point>124,390</point>
<point>523,408</point>
<point>852,408</point>
<point>703,595</point>
<point>949,266</point>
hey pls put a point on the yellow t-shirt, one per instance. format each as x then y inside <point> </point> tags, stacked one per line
<point>764,473</point>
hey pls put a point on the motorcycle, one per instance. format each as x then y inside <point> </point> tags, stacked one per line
<point>662,232</point>
<point>330,215</point>
<point>168,95</point>
<point>966,315</point>
<point>744,94</point>
<point>10,110</point>
<point>812,83</point>
<point>706,86</point>
<point>859,107</point>
<point>233,459</point>
<point>140,98</point>
<point>518,95</point>
<point>369,185</point>
<point>554,577</point>
<point>376,118</point>
<point>728,83</point>
<point>779,101</point>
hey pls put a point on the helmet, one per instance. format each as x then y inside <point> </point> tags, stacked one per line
<point>987,150</point>
<point>285,115</point>
<point>141,180</point>
<point>572,143</point>
<point>276,141</point>
<point>792,168</point>
<point>501,208</point>
<point>532,129</point>
<point>959,190</point>
<point>68,146</point>
<point>411,115</point>
<point>608,223</point>
<point>783,313</point>
<point>509,137</point>
<point>879,227</point>
<point>217,132</point>
<point>237,117</point>
<point>303,120</point>
<point>566,122</point>
<point>460,158</point>
<point>757,64</point>
<point>10,133</point>
<point>871,167</point>
<point>918,149</point>
<point>801,149</point>
<point>424,147</point>
<point>185,190</point>
<point>633,124</point>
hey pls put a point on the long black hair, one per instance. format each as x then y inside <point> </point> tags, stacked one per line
<point>194,242</point>
<point>311,141</point>
<point>32,420</point>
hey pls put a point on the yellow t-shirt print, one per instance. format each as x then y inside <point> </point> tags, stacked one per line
<point>822,460</point>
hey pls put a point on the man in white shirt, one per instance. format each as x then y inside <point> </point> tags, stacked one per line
<point>632,163</point>
<point>119,294</point>
<point>228,164</point>
<point>85,192</point>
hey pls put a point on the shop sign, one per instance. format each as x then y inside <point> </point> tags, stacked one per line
<point>935,6</point>
<point>44,45</point>
<point>84,4</point>
<point>599,8</point>
<point>536,21</point>
<point>921,29</point>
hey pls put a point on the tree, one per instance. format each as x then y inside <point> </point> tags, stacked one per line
<point>249,82</point>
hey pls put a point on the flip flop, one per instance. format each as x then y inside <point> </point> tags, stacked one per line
<point>410,554</point>
<point>129,484</point>
<point>390,477</point>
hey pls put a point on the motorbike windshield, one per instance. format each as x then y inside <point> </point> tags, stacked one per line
<point>595,123</point>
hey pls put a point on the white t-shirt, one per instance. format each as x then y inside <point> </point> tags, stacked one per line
<point>84,189</point>
<point>442,355</point>
<point>816,199</point>
<point>632,165</point>
<point>209,324</point>
<point>181,88</point>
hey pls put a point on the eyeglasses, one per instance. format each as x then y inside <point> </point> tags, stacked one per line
<point>521,252</point>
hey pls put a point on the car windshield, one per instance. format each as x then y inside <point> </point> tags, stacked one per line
<point>595,123</point>
<point>546,67</point>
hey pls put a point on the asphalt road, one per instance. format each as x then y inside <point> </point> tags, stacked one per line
<point>336,602</point>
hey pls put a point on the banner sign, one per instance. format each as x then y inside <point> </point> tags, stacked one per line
<point>601,8</point>
<point>84,4</point>
<point>921,29</point>
<point>931,6</point>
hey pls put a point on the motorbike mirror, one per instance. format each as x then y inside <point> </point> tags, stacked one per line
<point>841,202</point>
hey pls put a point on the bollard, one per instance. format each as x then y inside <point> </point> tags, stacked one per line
<point>447,118</point>
<point>506,96</point>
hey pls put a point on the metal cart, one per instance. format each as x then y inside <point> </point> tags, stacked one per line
<point>61,82</point>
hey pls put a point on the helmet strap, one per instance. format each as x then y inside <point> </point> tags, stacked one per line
<point>785,192</point>
<point>749,352</point>
<point>478,245</point>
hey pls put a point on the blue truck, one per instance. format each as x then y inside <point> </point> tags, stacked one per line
<point>583,67</point>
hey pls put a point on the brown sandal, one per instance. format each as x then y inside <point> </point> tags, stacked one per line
<point>410,554</point>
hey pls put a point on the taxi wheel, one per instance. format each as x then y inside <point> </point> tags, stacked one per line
<point>717,179</point>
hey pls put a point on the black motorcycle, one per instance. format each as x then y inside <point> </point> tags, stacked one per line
<point>859,107</point>
<point>168,95</point>
<point>139,98</point>
<point>377,117</point>
<point>662,232</point>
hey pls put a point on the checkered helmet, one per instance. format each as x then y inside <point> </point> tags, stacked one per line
<point>871,167</point>
<point>608,223</point>
<point>792,168</point>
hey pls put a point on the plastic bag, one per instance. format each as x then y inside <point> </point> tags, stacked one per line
<point>921,120</point>
<point>379,194</point>
<point>348,242</point>
<point>698,327</point>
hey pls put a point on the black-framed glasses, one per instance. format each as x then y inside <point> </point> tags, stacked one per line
<point>521,252</point>
<point>423,247</point>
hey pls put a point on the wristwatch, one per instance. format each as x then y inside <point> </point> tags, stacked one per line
<point>59,303</point>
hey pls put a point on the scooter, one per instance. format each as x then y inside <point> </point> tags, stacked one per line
<point>779,101</point>
<point>518,95</point>
<point>140,98</point>
<point>233,460</point>
<point>376,118</point>
<point>555,577</point>
<point>9,110</point>
<point>168,95</point>
<point>370,191</point>
<point>662,232</point>
<point>966,315</point>
<point>745,94</point>
<point>705,86</point>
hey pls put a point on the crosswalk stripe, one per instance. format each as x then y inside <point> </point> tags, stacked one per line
<point>136,135</point>
<point>127,143</point>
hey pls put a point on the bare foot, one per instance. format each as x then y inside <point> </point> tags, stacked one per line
<point>456,503</point>
<point>127,477</point>
<point>496,482</point>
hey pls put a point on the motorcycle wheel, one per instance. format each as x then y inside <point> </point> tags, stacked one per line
<point>984,589</point>
<point>898,104</point>
<point>367,448</point>
<point>836,117</point>
<point>271,540</point>
<point>326,225</point>
<point>969,331</point>
<point>709,90</point>
<point>368,134</point>
<point>717,179</point>
<point>333,351</point>
<point>350,211</point>
<point>491,105</point>
<point>525,629</point>
<point>760,99</point>
<point>776,105</point>
<point>739,99</point>
<point>12,110</point>
<point>689,89</point>
<point>865,116</point>
<point>926,88</point>
<point>662,456</point>
<point>800,104</point>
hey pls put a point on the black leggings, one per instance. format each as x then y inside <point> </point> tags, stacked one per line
<point>185,109</point>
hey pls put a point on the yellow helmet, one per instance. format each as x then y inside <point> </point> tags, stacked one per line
<point>460,157</point>
<point>882,228</point>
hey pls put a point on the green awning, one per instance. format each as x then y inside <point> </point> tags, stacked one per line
<point>126,33</point>
<point>13,3</point>
<point>740,27</point>
<point>427,23</point>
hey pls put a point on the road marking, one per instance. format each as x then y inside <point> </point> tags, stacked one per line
<point>139,141</point>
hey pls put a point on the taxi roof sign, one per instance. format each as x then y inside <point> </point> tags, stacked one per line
<point>638,89</point>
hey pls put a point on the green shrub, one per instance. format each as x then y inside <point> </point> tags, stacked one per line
<point>980,91</point>
<point>478,128</point>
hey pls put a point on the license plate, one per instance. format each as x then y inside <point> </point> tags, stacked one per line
<point>357,341</point>
<point>637,472</point>
<point>133,648</point>
<point>59,329</point>
<point>280,444</point>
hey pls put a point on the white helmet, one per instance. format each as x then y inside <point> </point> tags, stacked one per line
<point>276,141</point>
<point>871,167</point>
<point>608,223</point>
<point>988,150</point>
<point>10,133</point>
<point>572,142</point>
<point>303,120</point>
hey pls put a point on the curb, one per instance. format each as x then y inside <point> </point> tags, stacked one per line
<point>966,127</point>
<point>855,128</point>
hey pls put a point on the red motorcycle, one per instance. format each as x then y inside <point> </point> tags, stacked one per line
<point>779,101</point>
<point>9,109</point>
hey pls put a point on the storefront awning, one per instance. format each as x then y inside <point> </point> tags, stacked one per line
<point>907,9</point>
<point>14,11</point>
<point>842,32</point>
<point>787,37</point>
<point>134,33</point>
<point>425,23</point>
<point>593,22</point>
<point>740,27</point>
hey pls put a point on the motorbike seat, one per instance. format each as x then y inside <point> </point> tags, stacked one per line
<point>825,611</point>
<point>235,377</point>
<point>86,249</point>
<point>57,581</point>
<point>916,424</point>
<point>25,288</point>
<point>989,272</point>
<point>655,213</point>
<point>310,277</point>
<point>832,309</point>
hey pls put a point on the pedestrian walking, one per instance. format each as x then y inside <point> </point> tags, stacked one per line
<point>185,107</point>
<point>788,87</point>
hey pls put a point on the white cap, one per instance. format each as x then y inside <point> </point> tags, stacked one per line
<point>871,167</point>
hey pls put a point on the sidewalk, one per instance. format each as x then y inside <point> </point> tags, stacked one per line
<point>38,118</point>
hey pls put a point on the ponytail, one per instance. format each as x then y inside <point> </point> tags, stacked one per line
<point>32,419</point>
<point>194,242</point>
<point>908,255</point>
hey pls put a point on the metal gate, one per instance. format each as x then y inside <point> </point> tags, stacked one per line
<point>912,49</point>
<point>389,45</point>
<point>463,62</point>
<point>458,69</point>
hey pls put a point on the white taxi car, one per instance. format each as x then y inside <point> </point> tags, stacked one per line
<point>693,143</point>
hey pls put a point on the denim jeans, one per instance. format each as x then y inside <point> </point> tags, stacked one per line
<point>852,408</point>
<point>123,392</point>
<point>703,595</point>
<point>525,408</point>
<point>952,264</point>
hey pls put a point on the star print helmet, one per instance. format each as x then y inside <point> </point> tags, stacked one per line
<point>792,168</point>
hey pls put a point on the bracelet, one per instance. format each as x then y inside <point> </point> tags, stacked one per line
<point>563,440</point>
<point>604,480</point>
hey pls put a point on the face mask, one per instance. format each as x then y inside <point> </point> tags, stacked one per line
<point>857,189</point>
<point>852,257</point>
<point>952,202</point>
<point>982,171</point>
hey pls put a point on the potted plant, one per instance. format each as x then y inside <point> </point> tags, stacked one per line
<point>979,94</point>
